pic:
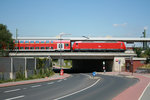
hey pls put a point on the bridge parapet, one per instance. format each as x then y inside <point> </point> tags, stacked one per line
<point>73,55</point>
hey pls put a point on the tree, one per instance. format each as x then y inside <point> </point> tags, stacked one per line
<point>6,41</point>
<point>146,53</point>
<point>138,51</point>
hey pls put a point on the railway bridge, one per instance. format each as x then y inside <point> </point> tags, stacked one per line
<point>92,61</point>
<point>84,61</point>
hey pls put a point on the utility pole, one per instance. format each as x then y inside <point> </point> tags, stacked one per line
<point>144,43</point>
<point>16,40</point>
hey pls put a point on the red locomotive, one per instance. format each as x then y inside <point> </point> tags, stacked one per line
<point>65,45</point>
<point>98,46</point>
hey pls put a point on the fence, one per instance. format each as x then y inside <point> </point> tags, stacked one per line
<point>9,66</point>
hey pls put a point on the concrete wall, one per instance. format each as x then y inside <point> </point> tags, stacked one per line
<point>116,66</point>
<point>5,63</point>
<point>9,66</point>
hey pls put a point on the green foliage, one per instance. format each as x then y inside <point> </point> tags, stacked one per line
<point>40,63</point>
<point>146,66</point>
<point>138,51</point>
<point>66,63</point>
<point>146,53</point>
<point>20,74</point>
<point>2,76</point>
<point>6,41</point>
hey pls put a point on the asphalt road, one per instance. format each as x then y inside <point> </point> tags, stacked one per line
<point>146,94</point>
<point>76,87</point>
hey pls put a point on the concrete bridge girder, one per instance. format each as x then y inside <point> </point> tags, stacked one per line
<point>84,61</point>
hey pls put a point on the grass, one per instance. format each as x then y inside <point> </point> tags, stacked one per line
<point>44,73</point>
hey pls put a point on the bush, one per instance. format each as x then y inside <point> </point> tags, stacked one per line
<point>20,75</point>
<point>146,66</point>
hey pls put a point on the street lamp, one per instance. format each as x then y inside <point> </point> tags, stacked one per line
<point>60,46</point>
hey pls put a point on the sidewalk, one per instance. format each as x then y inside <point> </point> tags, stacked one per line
<point>54,77</point>
<point>136,91</point>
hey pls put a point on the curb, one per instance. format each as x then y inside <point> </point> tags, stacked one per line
<point>33,81</point>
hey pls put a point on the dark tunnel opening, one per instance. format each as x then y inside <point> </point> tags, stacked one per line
<point>90,65</point>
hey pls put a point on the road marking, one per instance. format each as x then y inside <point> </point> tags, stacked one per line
<point>65,79</point>
<point>144,91</point>
<point>78,91</point>
<point>35,86</point>
<point>59,80</point>
<point>15,97</point>
<point>12,90</point>
<point>51,83</point>
<point>87,75</point>
<point>24,88</point>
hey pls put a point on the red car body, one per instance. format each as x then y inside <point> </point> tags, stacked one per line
<point>98,46</point>
<point>42,45</point>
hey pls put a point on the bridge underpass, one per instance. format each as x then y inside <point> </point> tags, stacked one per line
<point>90,65</point>
<point>83,61</point>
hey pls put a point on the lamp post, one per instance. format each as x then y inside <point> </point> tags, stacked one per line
<point>60,46</point>
<point>131,63</point>
<point>17,41</point>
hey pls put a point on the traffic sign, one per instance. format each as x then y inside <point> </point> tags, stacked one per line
<point>94,73</point>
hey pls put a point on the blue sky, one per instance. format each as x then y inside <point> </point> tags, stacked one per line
<point>46,18</point>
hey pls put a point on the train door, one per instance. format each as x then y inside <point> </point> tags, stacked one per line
<point>60,46</point>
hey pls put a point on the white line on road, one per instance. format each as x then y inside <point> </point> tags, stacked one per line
<point>65,79</point>
<point>59,80</point>
<point>78,91</point>
<point>15,97</point>
<point>144,91</point>
<point>51,83</point>
<point>12,90</point>
<point>24,88</point>
<point>35,86</point>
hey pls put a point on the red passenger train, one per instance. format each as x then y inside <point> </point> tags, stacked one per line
<point>65,45</point>
<point>42,45</point>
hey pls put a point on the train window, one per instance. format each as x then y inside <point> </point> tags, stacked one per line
<point>42,48</point>
<point>121,44</point>
<point>31,47</point>
<point>47,41</point>
<point>26,41</point>
<point>26,47</point>
<point>21,47</point>
<point>31,41</point>
<point>36,47</point>
<point>36,41</point>
<point>51,47</point>
<point>51,41</point>
<point>66,44</point>
<point>42,41</point>
<point>21,41</point>
<point>16,47</point>
<point>47,47</point>
<point>76,43</point>
<point>16,41</point>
